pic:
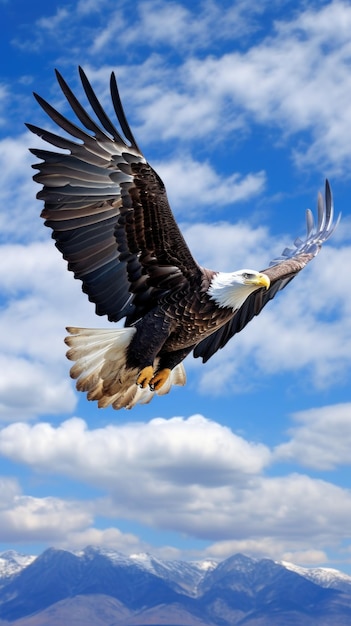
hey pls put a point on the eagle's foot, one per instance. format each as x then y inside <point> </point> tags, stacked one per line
<point>145,376</point>
<point>159,379</point>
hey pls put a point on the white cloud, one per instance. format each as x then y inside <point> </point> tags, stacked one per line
<point>296,79</point>
<point>170,22</point>
<point>39,298</point>
<point>4,97</point>
<point>167,451</point>
<point>103,37</point>
<point>25,518</point>
<point>226,247</point>
<point>53,22</point>
<point>280,82</point>
<point>277,81</point>
<point>19,210</point>
<point>85,7</point>
<point>282,549</point>
<point>172,25</point>
<point>116,540</point>
<point>29,389</point>
<point>306,557</point>
<point>321,439</point>
<point>191,185</point>
<point>191,476</point>
<point>62,522</point>
<point>176,112</point>
<point>107,538</point>
<point>9,490</point>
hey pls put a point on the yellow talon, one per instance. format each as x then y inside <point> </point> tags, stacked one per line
<point>159,379</point>
<point>145,376</point>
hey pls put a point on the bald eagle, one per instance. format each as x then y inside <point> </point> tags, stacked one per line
<point>111,220</point>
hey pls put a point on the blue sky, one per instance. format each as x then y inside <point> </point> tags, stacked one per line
<point>244,110</point>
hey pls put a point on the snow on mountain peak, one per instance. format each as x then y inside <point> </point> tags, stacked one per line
<point>205,566</point>
<point>323,576</point>
<point>12,562</point>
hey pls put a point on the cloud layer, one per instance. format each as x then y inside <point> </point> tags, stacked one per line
<point>198,478</point>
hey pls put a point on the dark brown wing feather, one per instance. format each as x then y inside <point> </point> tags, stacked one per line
<point>108,210</point>
<point>280,272</point>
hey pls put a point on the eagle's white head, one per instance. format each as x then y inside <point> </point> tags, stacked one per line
<point>231,289</point>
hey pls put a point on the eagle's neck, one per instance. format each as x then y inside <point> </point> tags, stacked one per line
<point>226,292</point>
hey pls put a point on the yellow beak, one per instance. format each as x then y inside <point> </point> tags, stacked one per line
<point>261,280</point>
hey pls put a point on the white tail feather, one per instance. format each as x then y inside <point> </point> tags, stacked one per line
<point>101,371</point>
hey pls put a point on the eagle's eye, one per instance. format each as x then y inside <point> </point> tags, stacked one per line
<point>247,275</point>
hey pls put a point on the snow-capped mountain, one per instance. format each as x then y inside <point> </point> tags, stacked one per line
<point>186,575</point>
<point>97,587</point>
<point>12,562</point>
<point>323,576</point>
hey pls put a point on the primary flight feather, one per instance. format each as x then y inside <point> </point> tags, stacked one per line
<point>111,220</point>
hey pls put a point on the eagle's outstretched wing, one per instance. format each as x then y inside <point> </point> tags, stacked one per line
<point>280,272</point>
<point>108,210</point>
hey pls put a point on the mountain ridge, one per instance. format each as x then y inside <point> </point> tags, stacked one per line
<point>141,589</point>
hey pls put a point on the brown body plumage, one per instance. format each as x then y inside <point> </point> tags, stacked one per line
<point>112,222</point>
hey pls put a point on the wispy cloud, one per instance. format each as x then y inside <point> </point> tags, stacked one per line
<point>296,80</point>
<point>177,26</point>
<point>192,186</point>
<point>54,21</point>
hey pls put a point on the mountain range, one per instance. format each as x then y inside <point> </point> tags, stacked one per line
<point>100,587</point>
